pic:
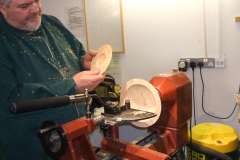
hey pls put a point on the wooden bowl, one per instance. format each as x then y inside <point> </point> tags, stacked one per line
<point>102,59</point>
<point>142,96</point>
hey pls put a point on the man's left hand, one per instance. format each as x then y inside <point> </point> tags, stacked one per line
<point>87,59</point>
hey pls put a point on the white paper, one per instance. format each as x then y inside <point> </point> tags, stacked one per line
<point>75,20</point>
<point>115,65</point>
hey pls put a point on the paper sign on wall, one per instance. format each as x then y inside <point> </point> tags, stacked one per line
<point>115,65</point>
<point>75,20</point>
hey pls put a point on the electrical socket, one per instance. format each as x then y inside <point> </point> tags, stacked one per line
<point>208,62</point>
<point>182,65</point>
<point>220,62</point>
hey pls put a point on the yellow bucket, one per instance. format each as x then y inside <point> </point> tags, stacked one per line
<point>216,136</point>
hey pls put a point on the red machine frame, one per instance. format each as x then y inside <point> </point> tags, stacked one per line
<point>176,97</point>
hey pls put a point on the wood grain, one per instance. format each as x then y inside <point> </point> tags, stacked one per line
<point>142,96</point>
<point>102,59</point>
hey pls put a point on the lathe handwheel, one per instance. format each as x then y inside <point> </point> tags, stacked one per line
<point>53,139</point>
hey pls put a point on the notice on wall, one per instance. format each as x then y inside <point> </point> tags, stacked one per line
<point>115,65</point>
<point>75,20</point>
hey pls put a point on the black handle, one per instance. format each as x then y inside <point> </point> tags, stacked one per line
<point>37,104</point>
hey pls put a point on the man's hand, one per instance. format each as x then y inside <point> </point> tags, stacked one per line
<point>87,59</point>
<point>87,80</point>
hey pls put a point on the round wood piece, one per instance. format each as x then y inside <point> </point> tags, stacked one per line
<point>102,59</point>
<point>142,96</point>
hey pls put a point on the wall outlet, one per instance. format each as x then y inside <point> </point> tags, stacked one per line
<point>207,62</point>
<point>182,65</point>
<point>220,62</point>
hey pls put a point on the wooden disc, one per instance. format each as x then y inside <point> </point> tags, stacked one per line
<point>142,96</point>
<point>102,59</point>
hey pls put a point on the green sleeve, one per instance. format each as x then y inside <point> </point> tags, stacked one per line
<point>12,91</point>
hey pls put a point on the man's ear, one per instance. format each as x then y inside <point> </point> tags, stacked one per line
<point>2,8</point>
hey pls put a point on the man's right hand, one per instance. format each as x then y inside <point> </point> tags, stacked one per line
<point>87,80</point>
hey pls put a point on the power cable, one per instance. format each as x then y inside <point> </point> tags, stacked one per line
<point>200,64</point>
<point>193,65</point>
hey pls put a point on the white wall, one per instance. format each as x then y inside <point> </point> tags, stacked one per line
<point>160,32</point>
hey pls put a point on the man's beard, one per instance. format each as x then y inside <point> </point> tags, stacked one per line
<point>27,25</point>
<point>33,27</point>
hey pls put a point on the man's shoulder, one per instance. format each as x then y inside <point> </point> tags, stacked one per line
<point>52,21</point>
<point>50,18</point>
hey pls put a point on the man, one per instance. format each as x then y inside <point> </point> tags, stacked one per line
<point>39,58</point>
